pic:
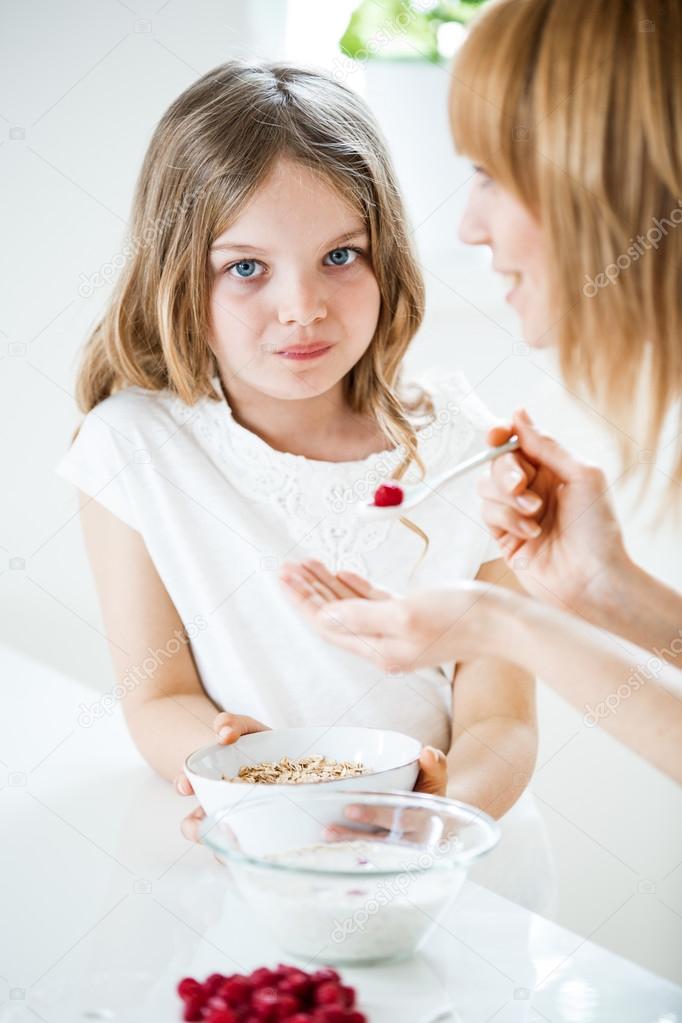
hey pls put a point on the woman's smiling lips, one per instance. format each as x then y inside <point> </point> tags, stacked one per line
<point>309,351</point>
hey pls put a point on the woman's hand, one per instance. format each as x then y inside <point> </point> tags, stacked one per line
<point>228,728</point>
<point>552,518</point>
<point>425,629</point>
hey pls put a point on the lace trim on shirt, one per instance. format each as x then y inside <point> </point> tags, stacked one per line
<point>318,499</point>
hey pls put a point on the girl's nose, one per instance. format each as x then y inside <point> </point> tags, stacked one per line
<point>302,303</point>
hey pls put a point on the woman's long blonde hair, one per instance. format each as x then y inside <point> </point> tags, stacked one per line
<point>211,151</point>
<point>576,107</point>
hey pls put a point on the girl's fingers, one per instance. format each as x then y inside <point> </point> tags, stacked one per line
<point>191,823</point>
<point>433,772</point>
<point>231,727</point>
<point>183,785</point>
<point>362,587</point>
<point>317,573</point>
<point>301,591</point>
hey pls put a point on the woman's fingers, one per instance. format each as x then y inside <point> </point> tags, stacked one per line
<point>183,785</point>
<point>499,434</point>
<point>191,823</point>
<point>506,518</point>
<point>433,772</point>
<point>230,727</point>
<point>528,502</point>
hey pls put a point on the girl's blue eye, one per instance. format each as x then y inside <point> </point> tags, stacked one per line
<point>244,269</point>
<point>342,257</point>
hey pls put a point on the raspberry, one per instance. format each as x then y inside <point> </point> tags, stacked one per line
<point>329,993</point>
<point>332,1014</point>
<point>388,495</point>
<point>216,1002</point>
<point>265,1002</point>
<point>326,973</point>
<point>212,983</point>
<point>297,983</point>
<point>236,991</point>
<point>263,977</point>
<point>221,1016</point>
<point>347,994</point>
<point>301,1017</point>
<point>193,1008</point>
<point>286,1006</point>
<point>187,987</point>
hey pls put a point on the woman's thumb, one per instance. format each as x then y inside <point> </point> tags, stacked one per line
<point>543,450</point>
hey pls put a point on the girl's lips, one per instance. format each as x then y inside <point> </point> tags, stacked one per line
<point>312,352</point>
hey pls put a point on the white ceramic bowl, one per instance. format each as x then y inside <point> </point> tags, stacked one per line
<point>391,757</point>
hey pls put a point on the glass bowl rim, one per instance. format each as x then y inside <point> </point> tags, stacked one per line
<point>472,813</point>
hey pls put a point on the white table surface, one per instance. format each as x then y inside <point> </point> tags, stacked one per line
<point>105,905</point>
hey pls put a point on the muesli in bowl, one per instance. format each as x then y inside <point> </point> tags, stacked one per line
<point>370,758</point>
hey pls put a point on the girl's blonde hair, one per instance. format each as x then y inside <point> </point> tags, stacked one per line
<point>211,151</point>
<point>576,108</point>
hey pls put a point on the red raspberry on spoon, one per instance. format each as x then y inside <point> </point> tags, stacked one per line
<point>388,495</point>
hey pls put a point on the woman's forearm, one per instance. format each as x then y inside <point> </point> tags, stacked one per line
<point>634,694</point>
<point>628,601</point>
<point>167,729</point>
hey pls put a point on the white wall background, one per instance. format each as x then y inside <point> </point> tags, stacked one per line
<point>82,84</point>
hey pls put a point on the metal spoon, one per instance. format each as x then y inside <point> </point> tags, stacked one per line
<point>414,493</point>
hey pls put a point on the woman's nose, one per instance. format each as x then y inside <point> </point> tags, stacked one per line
<point>473,228</point>
<point>302,303</point>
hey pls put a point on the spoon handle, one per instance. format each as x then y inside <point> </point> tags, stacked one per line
<point>422,490</point>
<point>473,463</point>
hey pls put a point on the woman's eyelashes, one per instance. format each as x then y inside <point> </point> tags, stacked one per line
<point>252,269</point>
<point>483,176</point>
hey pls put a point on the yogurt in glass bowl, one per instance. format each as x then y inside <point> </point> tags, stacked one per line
<point>347,877</point>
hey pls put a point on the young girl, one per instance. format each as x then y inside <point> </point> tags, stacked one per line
<point>243,397</point>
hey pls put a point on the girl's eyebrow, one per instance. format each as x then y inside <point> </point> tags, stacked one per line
<point>338,240</point>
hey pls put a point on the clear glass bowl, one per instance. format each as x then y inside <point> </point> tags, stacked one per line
<point>347,889</point>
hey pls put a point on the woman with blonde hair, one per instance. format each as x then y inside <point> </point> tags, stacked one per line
<point>570,112</point>
<point>242,394</point>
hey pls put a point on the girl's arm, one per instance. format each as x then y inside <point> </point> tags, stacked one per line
<point>166,709</point>
<point>494,727</point>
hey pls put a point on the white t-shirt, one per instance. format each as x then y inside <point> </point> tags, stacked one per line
<point>219,511</point>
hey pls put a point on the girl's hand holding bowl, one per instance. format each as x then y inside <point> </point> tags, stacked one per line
<point>391,761</point>
<point>228,728</point>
